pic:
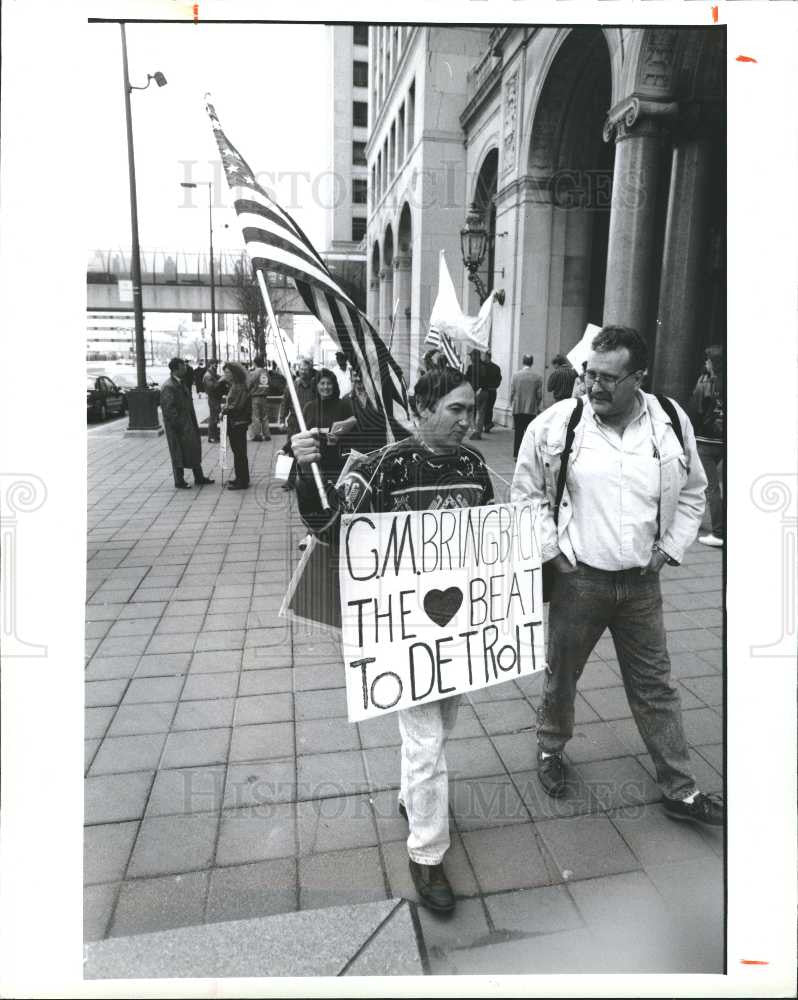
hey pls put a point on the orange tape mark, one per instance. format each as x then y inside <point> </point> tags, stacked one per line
<point>752,961</point>
<point>745,59</point>
<point>715,15</point>
<point>196,13</point>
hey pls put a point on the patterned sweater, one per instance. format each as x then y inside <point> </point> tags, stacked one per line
<point>400,477</point>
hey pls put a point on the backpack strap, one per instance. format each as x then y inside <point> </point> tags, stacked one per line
<point>670,410</point>
<point>576,416</point>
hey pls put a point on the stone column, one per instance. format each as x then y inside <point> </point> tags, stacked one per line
<point>386,301</point>
<point>631,285</point>
<point>536,251</point>
<point>373,301</point>
<point>685,242</point>
<point>402,292</point>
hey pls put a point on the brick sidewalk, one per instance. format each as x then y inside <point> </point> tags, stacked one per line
<point>223,780</point>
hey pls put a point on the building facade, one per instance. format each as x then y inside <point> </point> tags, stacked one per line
<point>597,159</point>
<point>346,190</point>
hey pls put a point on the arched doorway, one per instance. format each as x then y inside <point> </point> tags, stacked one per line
<point>485,200</point>
<point>402,290</point>
<point>568,191</point>
<point>386,285</point>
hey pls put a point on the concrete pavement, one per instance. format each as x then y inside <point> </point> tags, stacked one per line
<point>223,781</point>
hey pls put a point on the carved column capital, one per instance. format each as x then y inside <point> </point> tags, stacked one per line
<point>401,263</point>
<point>635,117</point>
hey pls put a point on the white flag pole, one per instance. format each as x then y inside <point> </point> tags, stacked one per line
<point>278,337</point>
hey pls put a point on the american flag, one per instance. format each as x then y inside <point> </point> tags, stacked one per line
<point>443,342</point>
<point>275,242</point>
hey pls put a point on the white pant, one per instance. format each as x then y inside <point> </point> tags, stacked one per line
<point>425,782</point>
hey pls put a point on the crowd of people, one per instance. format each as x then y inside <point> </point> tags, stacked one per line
<point>332,399</point>
<point>622,476</point>
<point>630,500</point>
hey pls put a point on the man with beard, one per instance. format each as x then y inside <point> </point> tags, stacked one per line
<point>632,500</point>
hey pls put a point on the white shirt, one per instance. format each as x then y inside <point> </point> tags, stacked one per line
<point>344,380</point>
<point>614,483</point>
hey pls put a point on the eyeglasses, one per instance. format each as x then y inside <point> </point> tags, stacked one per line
<point>610,382</point>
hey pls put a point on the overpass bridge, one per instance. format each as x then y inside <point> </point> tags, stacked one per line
<point>176,281</point>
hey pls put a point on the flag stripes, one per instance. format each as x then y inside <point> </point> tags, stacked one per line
<point>444,344</point>
<point>275,242</point>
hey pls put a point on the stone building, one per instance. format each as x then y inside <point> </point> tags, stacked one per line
<point>597,158</point>
<point>344,194</point>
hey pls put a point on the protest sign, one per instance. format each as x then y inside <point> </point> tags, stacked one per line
<point>578,354</point>
<point>438,602</point>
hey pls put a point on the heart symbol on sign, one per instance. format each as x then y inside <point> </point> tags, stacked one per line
<point>442,605</point>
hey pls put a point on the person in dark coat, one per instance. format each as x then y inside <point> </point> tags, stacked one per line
<point>180,424</point>
<point>188,376</point>
<point>485,378</point>
<point>238,410</point>
<point>199,375</point>
<point>334,419</point>
<point>276,380</point>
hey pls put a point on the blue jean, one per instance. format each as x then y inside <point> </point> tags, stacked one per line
<point>711,456</point>
<point>583,604</point>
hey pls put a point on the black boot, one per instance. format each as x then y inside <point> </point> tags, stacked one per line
<point>432,886</point>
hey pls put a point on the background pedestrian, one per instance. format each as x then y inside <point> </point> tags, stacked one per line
<point>215,387</point>
<point>526,390</point>
<point>334,419</point>
<point>238,410</point>
<point>561,381</point>
<point>707,411</point>
<point>259,391</point>
<point>181,427</point>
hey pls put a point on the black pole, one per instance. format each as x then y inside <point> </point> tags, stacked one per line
<point>213,280</point>
<point>135,259</point>
<point>142,402</point>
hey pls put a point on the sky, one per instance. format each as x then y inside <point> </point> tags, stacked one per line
<point>269,84</point>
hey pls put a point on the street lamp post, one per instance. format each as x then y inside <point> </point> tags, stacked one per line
<point>142,402</point>
<point>474,240</point>
<point>195,184</point>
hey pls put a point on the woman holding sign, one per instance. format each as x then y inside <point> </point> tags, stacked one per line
<point>428,471</point>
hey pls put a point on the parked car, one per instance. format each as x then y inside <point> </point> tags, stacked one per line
<point>103,397</point>
<point>127,382</point>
